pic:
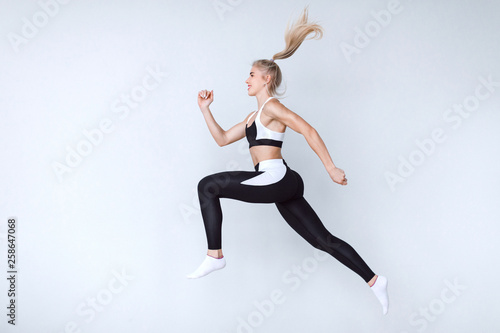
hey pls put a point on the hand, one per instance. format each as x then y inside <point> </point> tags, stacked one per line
<point>338,176</point>
<point>205,98</point>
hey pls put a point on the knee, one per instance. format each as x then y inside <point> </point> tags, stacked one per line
<point>206,186</point>
<point>203,183</point>
<point>323,243</point>
<point>209,187</point>
<point>330,244</point>
<point>212,185</point>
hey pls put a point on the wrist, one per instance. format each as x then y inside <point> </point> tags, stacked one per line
<point>330,168</point>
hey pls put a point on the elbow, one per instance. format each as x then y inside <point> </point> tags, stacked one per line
<point>221,142</point>
<point>310,132</point>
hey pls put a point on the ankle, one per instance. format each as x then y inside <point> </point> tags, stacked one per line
<point>216,257</point>
<point>372,281</point>
<point>217,254</point>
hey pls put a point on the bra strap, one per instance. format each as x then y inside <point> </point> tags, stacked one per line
<point>258,112</point>
<point>250,116</point>
<point>262,107</point>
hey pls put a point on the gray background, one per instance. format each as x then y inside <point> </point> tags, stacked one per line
<point>129,207</point>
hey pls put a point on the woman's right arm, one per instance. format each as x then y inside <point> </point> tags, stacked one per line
<point>222,137</point>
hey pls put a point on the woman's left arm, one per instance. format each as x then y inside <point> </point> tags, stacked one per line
<point>281,113</point>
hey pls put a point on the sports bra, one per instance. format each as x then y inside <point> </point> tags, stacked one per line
<point>259,135</point>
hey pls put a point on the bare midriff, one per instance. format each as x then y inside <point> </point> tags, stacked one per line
<point>261,153</point>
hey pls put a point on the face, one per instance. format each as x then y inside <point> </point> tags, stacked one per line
<point>256,81</point>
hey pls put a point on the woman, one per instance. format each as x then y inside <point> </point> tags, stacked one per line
<point>273,181</point>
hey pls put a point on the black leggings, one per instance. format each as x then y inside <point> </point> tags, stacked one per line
<point>284,187</point>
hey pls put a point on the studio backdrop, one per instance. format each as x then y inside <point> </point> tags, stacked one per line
<point>103,145</point>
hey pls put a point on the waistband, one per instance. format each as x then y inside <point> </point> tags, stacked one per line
<point>270,164</point>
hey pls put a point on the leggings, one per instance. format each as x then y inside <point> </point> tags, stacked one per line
<point>273,182</point>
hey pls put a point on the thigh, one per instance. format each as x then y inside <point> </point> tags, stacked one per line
<point>228,184</point>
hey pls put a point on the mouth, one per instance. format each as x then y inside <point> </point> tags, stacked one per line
<point>249,87</point>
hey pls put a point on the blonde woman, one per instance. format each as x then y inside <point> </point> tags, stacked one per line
<point>273,181</point>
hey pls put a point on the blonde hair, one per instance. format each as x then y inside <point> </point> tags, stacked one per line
<point>294,36</point>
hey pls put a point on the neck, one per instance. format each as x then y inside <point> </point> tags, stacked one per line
<point>261,99</point>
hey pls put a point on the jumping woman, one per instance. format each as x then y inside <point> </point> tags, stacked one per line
<point>273,181</point>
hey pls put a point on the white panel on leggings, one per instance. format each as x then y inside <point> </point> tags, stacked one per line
<point>270,176</point>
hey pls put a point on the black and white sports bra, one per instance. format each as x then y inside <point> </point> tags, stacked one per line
<point>259,135</point>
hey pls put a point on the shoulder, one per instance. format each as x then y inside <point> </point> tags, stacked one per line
<point>275,109</point>
<point>274,106</point>
<point>274,102</point>
<point>278,111</point>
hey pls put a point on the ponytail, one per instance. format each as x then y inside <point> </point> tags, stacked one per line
<point>297,33</point>
<point>294,36</point>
